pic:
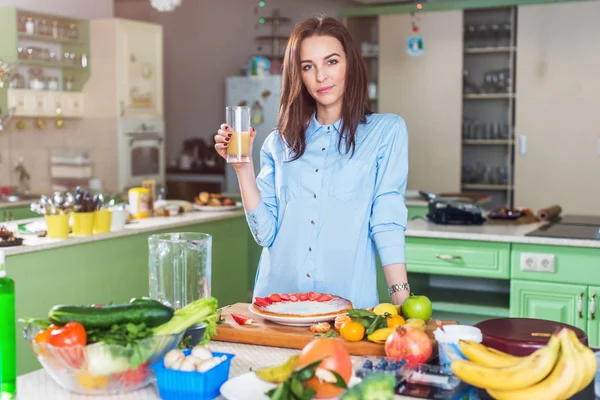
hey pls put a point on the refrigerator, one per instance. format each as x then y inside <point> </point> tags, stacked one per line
<point>262,94</point>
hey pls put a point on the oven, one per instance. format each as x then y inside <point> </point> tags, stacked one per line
<point>142,146</point>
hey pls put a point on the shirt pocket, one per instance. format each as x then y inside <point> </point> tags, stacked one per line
<point>350,180</point>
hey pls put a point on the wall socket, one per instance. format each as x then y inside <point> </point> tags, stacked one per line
<point>537,262</point>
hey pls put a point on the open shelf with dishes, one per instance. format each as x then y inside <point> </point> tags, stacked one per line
<point>45,62</point>
<point>489,37</point>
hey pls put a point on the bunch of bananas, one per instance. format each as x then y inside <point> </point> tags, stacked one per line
<point>555,372</point>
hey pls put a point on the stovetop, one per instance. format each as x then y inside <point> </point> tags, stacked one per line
<point>571,227</point>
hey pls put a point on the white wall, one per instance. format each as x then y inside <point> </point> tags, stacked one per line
<point>70,8</point>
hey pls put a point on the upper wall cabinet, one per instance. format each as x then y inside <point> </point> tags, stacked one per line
<point>426,90</point>
<point>129,55</point>
<point>557,110</point>
<point>46,62</point>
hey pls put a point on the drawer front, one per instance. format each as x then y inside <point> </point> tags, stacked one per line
<point>575,265</point>
<point>458,257</point>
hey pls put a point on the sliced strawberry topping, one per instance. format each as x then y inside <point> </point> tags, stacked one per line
<point>260,302</point>
<point>267,300</point>
<point>303,296</point>
<point>275,298</point>
<point>242,319</point>
<point>285,297</point>
<point>293,297</point>
<point>325,297</point>
<point>312,296</point>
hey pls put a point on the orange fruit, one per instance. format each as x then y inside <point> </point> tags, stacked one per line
<point>395,321</point>
<point>335,358</point>
<point>340,320</point>
<point>352,331</point>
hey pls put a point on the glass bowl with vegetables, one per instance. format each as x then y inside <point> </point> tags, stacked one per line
<point>108,349</point>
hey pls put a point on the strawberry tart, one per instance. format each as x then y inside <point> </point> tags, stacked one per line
<point>301,305</point>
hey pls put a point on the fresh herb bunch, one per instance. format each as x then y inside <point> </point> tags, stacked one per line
<point>328,335</point>
<point>129,336</point>
<point>295,388</point>
<point>122,335</point>
<point>369,320</point>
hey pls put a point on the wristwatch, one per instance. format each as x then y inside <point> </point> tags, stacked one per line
<point>396,287</point>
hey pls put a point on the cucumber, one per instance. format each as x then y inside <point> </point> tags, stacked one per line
<point>151,313</point>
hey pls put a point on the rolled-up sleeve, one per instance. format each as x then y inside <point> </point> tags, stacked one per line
<point>263,219</point>
<point>389,214</point>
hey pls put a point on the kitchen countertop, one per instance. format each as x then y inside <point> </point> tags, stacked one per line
<point>490,231</point>
<point>38,384</point>
<point>34,243</point>
<point>14,204</point>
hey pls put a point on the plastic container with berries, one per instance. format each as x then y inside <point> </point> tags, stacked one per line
<point>381,364</point>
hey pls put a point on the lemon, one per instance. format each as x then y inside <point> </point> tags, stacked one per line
<point>383,308</point>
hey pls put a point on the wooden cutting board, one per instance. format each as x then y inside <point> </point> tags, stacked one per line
<point>267,333</point>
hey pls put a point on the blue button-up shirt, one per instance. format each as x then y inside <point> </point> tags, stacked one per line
<point>323,218</point>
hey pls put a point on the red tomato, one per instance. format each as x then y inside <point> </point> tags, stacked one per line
<point>135,377</point>
<point>336,358</point>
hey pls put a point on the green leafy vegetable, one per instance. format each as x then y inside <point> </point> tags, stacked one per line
<point>202,311</point>
<point>294,388</point>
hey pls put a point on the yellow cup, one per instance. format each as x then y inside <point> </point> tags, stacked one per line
<point>102,221</point>
<point>83,223</point>
<point>58,226</point>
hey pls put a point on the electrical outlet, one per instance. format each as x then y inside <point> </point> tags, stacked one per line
<point>529,262</point>
<point>545,263</point>
<point>538,262</point>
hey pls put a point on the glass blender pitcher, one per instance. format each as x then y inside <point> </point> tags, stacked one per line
<point>179,266</point>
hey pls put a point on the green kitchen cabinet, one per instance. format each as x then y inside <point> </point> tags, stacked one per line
<point>16,213</point>
<point>559,302</point>
<point>417,211</point>
<point>593,317</point>
<point>458,257</point>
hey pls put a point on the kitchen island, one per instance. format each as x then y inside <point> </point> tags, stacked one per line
<point>38,384</point>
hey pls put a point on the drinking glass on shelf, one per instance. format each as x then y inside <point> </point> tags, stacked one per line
<point>238,118</point>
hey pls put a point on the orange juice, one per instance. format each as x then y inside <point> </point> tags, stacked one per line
<point>238,149</point>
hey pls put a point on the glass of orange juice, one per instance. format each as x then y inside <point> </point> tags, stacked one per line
<point>238,118</point>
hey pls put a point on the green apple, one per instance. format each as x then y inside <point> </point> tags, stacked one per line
<point>417,307</point>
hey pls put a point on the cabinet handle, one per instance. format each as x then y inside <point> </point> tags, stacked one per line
<point>447,257</point>
<point>522,145</point>
<point>580,305</point>
<point>593,306</point>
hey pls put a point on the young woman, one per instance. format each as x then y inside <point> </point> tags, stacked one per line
<point>330,192</point>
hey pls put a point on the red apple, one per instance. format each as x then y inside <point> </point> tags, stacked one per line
<point>410,344</point>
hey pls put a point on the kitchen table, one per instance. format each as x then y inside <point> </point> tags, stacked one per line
<point>38,385</point>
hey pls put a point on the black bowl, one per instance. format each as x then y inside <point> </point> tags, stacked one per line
<point>196,332</point>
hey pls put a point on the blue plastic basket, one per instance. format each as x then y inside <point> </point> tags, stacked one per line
<point>183,385</point>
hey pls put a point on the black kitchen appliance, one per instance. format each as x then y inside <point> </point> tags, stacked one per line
<point>453,210</point>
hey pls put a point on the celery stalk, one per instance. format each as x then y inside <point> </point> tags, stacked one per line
<point>200,311</point>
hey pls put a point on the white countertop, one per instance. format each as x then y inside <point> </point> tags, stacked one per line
<point>491,232</point>
<point>39,385</point>
<point>34,243</point>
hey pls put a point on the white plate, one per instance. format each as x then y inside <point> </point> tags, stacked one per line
<point>294,321</point>
<point>217,208</point>
<point>249,387</point>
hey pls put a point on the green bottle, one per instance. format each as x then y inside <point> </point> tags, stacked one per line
<point>8,335</point>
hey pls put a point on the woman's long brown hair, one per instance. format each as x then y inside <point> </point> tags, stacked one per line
<point>297,105</point>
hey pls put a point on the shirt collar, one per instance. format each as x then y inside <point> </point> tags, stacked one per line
<point>314,126</point>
